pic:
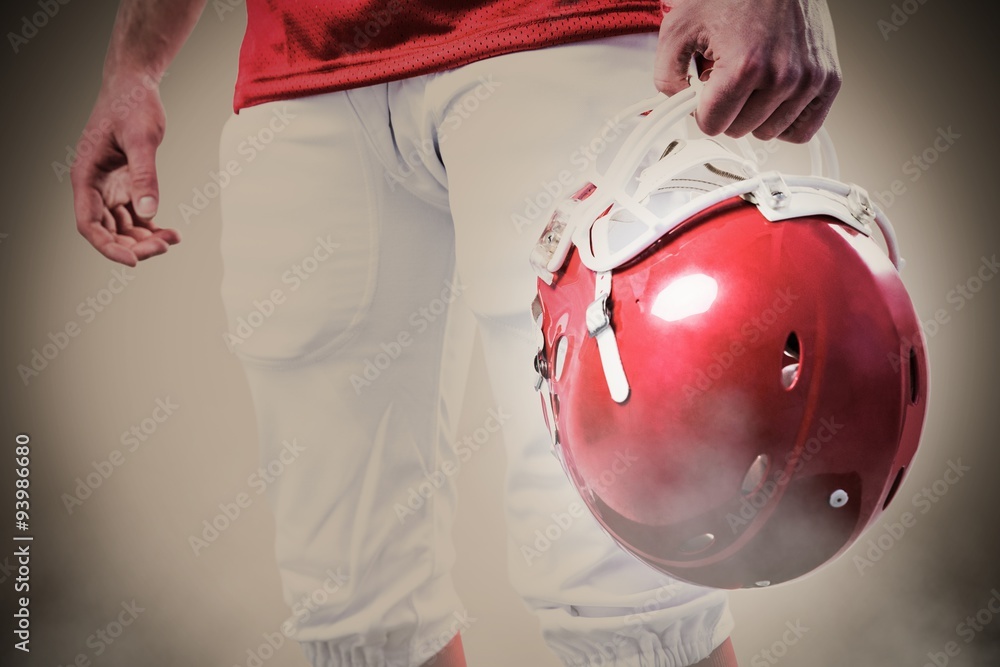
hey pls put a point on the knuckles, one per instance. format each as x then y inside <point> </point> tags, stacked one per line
<point>792,77</point>
<point>793,68</point>
<point>750,67</point>
<point>834,80</point>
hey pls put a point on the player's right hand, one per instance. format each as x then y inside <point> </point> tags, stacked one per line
<point>775,69</point>
<point>115,190</point>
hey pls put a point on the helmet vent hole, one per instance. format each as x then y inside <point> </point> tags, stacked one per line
<point>697,544</point>
<point>561,348</point>
<point>914,377</point>
<point>892,489</point>
<point>754,477</point>
<point>790,361</point>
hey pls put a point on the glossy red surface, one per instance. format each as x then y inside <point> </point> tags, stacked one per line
<point>668,466</point>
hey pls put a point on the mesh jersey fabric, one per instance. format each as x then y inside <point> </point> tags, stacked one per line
<point>294,49</point>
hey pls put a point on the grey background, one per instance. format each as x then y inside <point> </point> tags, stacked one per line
<point>162,337</point>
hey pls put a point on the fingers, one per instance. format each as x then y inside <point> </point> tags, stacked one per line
<point>114,233</point>
<point>775,65</point>
<point>758,109</point>
<point>150,247</point>
<point>129,226</point>
<point>781,120</point>
<point>741,92</point>
<point>116,193</point>
<point>105,243</point>
<point>672,66</point>
<point>133,229</point>
<point>143,238</point>
<point>811,118</point>
<point>788,102</point>
<point>775,93</point>
<point>726,95</point>
<point>90,221</point>
<point>674,49</point>
<point>170,236</point>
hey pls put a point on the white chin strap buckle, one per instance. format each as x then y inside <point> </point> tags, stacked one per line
<point>599,327</point>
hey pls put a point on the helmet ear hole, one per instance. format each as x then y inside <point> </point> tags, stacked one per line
<point>895,487</point>
<point>914,377</point>
<point>790,361</point>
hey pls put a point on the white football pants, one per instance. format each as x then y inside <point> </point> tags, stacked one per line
<point>344,222</point>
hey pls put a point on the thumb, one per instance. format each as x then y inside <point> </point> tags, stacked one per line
<point>144,187</point>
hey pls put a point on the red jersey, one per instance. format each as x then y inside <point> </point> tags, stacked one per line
<point>294,48</point>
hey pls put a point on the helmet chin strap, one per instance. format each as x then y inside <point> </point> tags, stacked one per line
<point>599,327</point>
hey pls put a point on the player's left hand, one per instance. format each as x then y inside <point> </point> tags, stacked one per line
<point>774,73</point>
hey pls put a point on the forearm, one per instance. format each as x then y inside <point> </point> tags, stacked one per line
<point>147,35</point>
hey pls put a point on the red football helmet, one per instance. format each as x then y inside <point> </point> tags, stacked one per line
<point>732,372</point>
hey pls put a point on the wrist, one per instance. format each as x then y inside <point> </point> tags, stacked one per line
<point>117,78</point>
